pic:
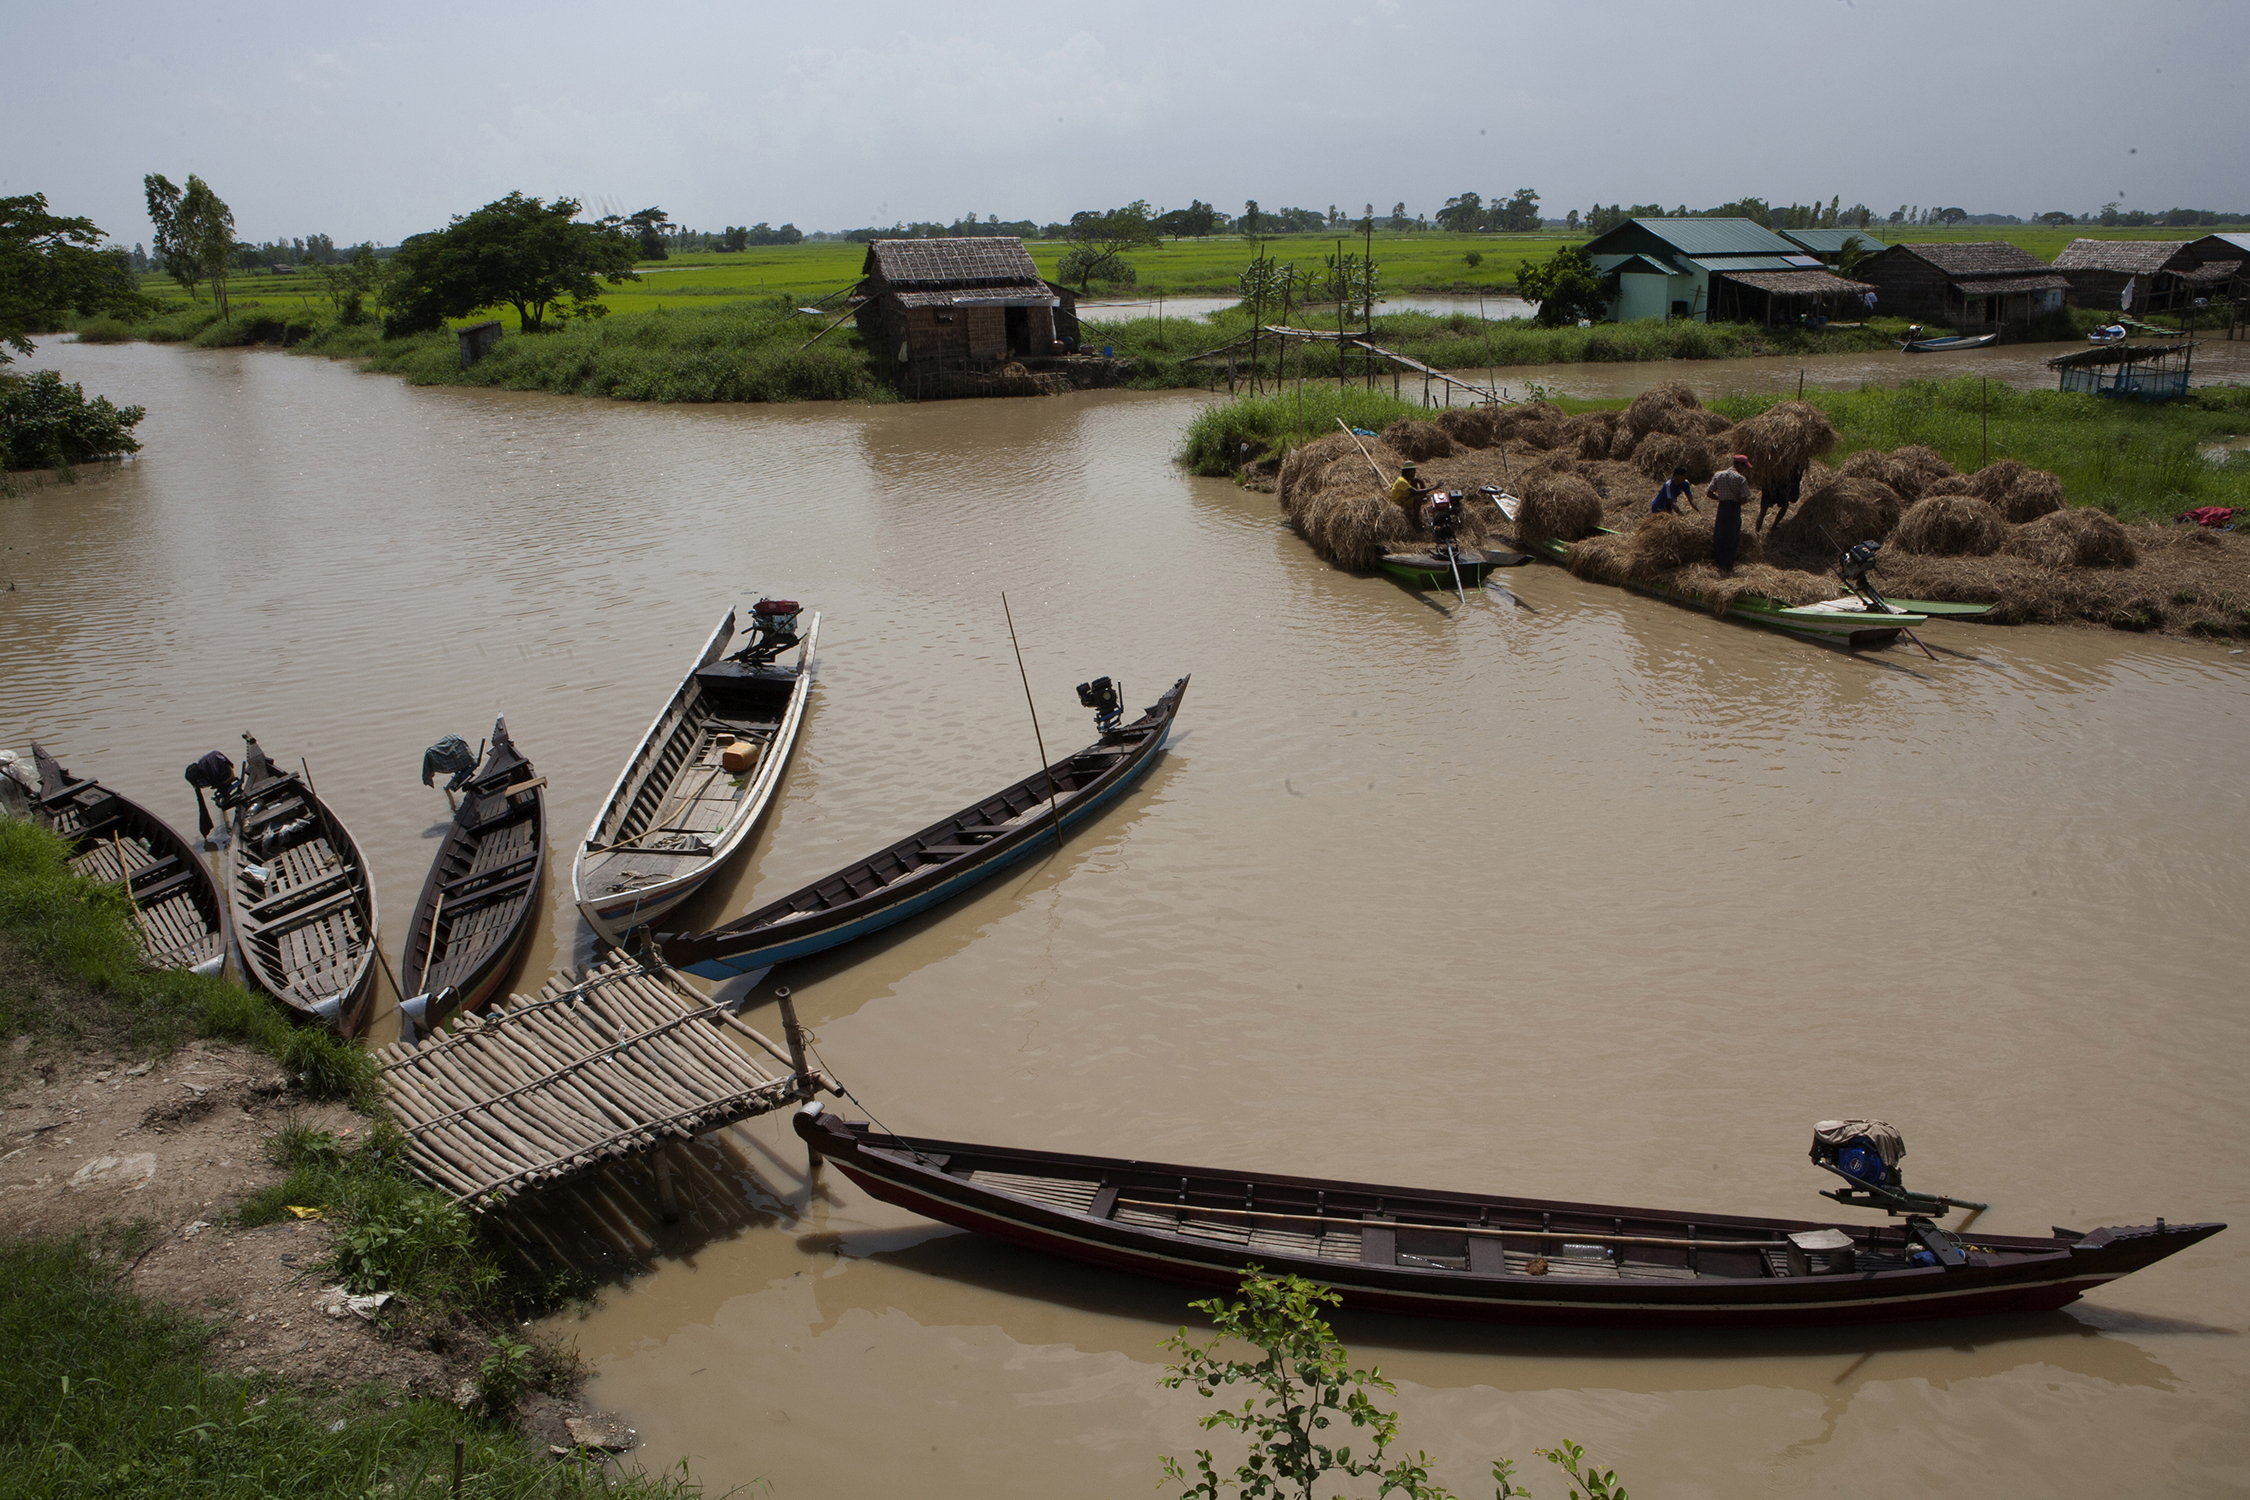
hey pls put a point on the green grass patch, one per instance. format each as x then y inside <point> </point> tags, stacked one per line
<point>1223,438</point>
<point>102,1395</point>
<point>71,972</point>
<point>2138,461</point>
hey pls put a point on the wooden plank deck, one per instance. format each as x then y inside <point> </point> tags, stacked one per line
<point>545,1089</point>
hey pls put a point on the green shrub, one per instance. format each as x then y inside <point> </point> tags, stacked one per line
<point>1220,435</point>
<point>47,424</point>
<point>105,331</point>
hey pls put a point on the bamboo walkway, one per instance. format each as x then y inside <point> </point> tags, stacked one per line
<point>1353,340</point>
<point>547,1089</point>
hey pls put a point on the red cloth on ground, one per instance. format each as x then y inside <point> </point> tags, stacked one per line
<point>2207,515</point>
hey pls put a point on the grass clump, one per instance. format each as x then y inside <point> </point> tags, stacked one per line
<point>103,1395</point>
<point>2137,461</point>
<point>1250,429</point>
<point>71,971</point>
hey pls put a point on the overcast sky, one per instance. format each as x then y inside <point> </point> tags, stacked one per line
<point>378,120</point>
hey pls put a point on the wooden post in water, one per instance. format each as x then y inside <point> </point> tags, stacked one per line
<point>666,1198</point>
<point>793,1036</point>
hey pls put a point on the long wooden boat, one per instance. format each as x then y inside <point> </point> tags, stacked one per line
<point>1948,345</point>
<point>936,864</point>
<point>478,906</point>
<point>1479,1256</point>
<point>178,913</point>
<point>677,813</point>
<point>302,894</point>
<point>1432,568</point>
<point>1841,622</point>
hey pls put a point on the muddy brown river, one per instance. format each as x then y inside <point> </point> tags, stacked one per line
<point>1565,893</point>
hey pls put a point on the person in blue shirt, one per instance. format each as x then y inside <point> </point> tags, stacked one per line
<point>1674,491</point>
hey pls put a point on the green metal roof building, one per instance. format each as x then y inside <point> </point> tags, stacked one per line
<point>1664,266</point>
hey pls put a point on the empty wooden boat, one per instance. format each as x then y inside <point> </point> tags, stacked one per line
<point>693,792</point>
<point>302,896</point>
<point>944,859</point>
<point>177,910</point>
<point>1948,345</point>
<point>1480,1256</point>
<point>478,906</point>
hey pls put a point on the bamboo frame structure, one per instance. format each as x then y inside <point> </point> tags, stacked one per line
<point>618,1063</point>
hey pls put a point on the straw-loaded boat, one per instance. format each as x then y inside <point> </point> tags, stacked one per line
<point>477,907</point>
<point>1948,345</point>
<point>178,914</point>
<point>302,895</point>
<point>942,860</point>
<point>1482,1256</point>
<point>692,793</point>
<point>1848,621</point>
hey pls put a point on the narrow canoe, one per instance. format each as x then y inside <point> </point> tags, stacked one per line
<point>1434,570</point>
<point>1843,622</point>
<point>1949,346</point>
<point>178,913</point>
<point>1480,1256</point>
<point>302,894</point>
<point>676,814</point>
<point>477,907</point>
<point>936,864</point>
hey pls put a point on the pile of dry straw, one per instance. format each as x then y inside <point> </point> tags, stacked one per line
<point>2001,535</point>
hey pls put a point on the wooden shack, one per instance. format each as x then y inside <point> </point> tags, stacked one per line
<point>2137,277</point>
<point>1784,297</point>
<point>1982,284</point>
<point>2222,266</point>
<point>949,307</point>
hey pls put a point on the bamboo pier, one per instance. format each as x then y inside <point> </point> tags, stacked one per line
<point>545,1089</point>
<point>1430,374</point>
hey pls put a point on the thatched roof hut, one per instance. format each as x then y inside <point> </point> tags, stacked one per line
<point>1963,286</point>
<point>2103,272</point>
<point>957,305</point>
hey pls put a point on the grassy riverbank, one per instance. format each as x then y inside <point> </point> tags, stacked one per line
<point>2138,461</point>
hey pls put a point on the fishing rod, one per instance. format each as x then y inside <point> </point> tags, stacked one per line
<point>1053,801</point>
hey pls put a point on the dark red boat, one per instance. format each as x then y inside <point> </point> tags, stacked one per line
<point>1470,1256</point>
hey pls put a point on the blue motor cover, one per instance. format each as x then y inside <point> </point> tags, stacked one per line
<point>1860,1161</point>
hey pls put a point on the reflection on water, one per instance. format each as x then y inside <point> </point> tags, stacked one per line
<point>1594,898</point>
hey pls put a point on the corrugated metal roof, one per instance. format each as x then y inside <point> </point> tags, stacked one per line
<point>1637,265</point>
<point>2239,241</point>
<point>1717,236</point>
<point>1831,241</point>
<point>1747,262</point>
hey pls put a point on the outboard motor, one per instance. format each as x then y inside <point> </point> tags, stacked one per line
<point>1852,566</point>
<point>1445,518</point>
<point>449,755</point>
<point>1866,1154</point>
<point>773,630</point>
<point>1105,699</point>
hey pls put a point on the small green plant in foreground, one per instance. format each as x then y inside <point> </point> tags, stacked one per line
<point>1299,1390</point>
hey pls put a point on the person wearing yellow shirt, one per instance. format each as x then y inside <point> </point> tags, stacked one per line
<point>1408,491</point>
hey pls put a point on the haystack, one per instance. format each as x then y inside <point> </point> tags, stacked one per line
<point>1950,526</point>
<point>1470,426</point>
<point>1696,421</point>
<point>1661,544</point>
<point>1557,506</point>
<point>1622,440</point>
<point>1908,471</point>
<point>1296,482</point>
<point>1599,559</point>
<point>1512,420</point>
<point>1417,440</point>
<point>2035,493</point>
<point>1947,484</point>
<point>2081,537</point>
<point>1836,511</point>
<point>1649,409</point>
<point>1785,438</point>
<point>1594,431</point>
<point>1351,529</point>
<point>1995,479</point>
<point>1655,455</point>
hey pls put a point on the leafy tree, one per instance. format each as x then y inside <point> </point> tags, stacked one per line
<point>49,264</point>
<point>1100,240</point>
<point>1521,211</point>
<point>1462,214</point>
<point>1952,216</point>
<point>1567,287</point>
<point>1570,221</point>
<point>1193,222</point>
<point>737,237</point>
<point>194,234</point>
<point>649,227</point>
<point>1398,219</point>
<point>46,424</point>
<point>534,256</point>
